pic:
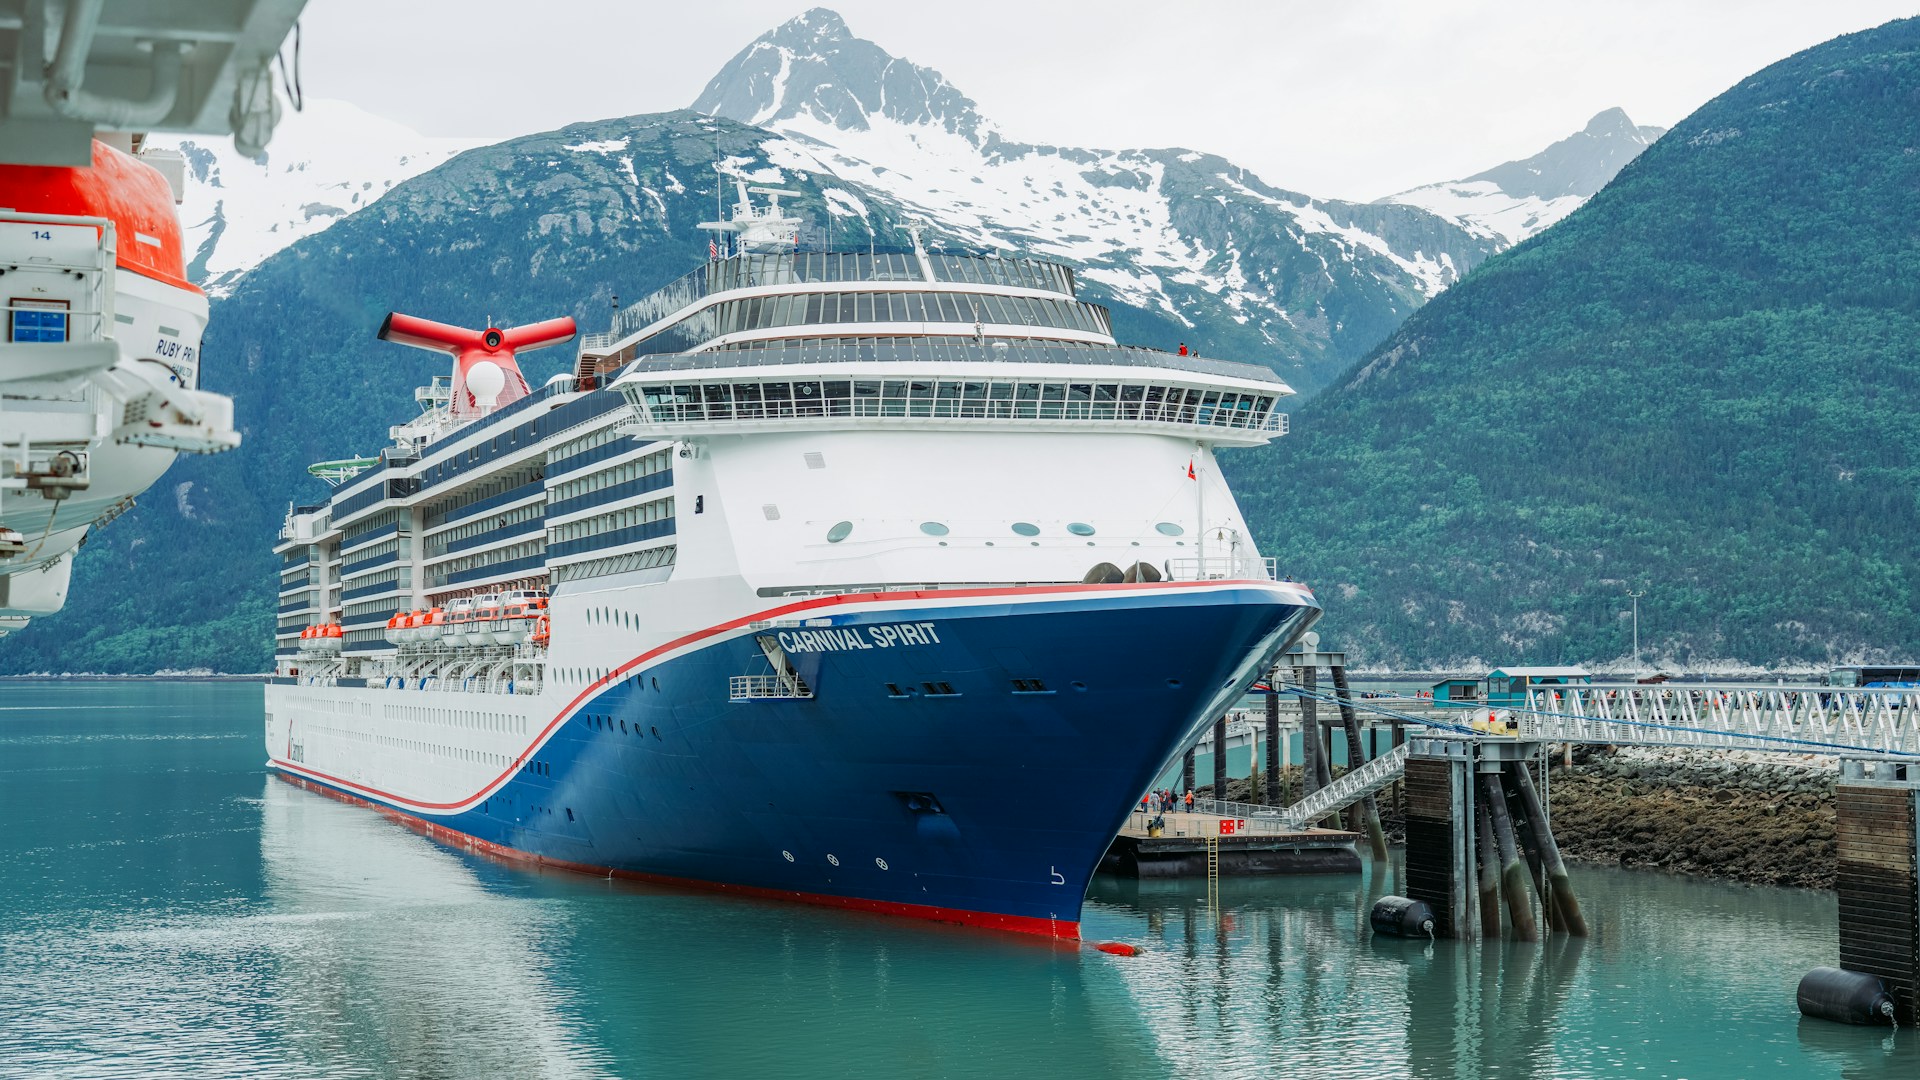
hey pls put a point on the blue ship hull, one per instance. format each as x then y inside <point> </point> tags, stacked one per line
<point>962,762</point>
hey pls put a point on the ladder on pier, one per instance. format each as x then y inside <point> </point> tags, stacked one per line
<point>1357,784</point>
<point>1213,873</point>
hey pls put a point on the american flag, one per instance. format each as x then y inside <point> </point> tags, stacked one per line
<point>713,249</point>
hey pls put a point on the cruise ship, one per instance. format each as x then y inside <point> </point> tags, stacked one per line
<point>881,579</point>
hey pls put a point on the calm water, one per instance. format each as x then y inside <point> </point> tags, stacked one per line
<point>167,910</point>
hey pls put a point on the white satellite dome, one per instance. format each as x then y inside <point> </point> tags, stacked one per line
<point>485,380</point>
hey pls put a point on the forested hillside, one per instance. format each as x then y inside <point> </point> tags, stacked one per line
<point>1702,384</point>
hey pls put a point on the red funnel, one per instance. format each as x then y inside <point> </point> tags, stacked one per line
<point>485,374</point>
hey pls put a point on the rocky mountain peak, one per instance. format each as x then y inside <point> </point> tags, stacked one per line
<point>1578,165</point>
<point>813,67</point>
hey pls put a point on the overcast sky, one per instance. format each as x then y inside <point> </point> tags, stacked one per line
<point>1336,98</point>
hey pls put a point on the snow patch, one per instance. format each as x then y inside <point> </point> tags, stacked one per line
<point>599,146</point>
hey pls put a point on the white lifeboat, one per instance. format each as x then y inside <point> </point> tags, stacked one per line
<point>488,615</point>
<point>459,618</point>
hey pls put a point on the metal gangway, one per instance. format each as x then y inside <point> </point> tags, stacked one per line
<point>1356,784</point>
<point>1865,722</point>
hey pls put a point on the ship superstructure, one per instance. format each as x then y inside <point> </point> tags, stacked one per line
<point>803,582</point>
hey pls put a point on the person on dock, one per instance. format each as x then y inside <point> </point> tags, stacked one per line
<point>1189,800</point>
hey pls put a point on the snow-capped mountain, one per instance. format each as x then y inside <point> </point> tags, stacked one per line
<point>1187,245</point>
<point>1513,201</point>
<point>1305,285</point>
<point>323,163</point>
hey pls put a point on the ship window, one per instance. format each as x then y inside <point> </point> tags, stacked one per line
<point>1168,528</point>
<point>1026,528</point>
<point>1080,528</point>
<point>933,528</point>
<point>839,532</point>
<point>38,320</point>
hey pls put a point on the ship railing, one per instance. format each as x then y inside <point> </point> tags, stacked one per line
<point>766,688</point>
<point>93,259</point>
<point>912,411</point>
<point>1223,568</point>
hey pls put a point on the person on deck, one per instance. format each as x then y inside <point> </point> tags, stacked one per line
<point>1183,348</point>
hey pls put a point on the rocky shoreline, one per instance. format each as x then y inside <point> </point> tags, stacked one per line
<point>1763,819</point>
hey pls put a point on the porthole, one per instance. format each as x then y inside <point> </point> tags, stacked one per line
<point>839,532</point>
<point>1168,528</point>
<point>1080,528</point>
<point>933,528</point>
<point>1023,528</point>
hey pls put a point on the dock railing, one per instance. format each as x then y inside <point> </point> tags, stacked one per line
<point>1728,716</point>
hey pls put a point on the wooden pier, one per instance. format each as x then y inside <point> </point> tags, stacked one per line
<point>1183,846</point>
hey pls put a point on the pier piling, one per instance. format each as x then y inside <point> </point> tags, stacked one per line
<point>1513,872</point>
<point>1562,902</point>
<point>1367,809</point>
<point>1272,787</point>
<point>1308,680</point>
<point>1220,758</point>
<point>1489,876</point>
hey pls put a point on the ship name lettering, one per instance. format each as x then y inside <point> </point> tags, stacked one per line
<point>849,638</point>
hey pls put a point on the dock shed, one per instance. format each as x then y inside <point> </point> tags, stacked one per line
<point>1456,694</point>
<point>1509,685</point>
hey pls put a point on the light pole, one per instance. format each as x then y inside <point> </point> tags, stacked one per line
<point>1636,621</point>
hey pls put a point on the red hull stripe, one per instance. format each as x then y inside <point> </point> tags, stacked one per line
<point>773,613</point>
<point>1019,924</point>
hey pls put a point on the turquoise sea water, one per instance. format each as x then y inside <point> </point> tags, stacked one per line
<point>168,910</point>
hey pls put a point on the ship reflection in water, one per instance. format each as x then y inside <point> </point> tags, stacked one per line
<point>169,911</point>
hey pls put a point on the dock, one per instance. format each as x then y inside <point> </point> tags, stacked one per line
<point>1187,842</point>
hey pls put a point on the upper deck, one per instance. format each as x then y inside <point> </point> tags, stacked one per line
<point>753,300</point>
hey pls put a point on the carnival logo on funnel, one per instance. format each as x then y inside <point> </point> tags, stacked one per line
<point>485,374</point>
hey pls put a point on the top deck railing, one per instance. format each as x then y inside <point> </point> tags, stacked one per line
<point>660,367</point>
<point>808,267</point>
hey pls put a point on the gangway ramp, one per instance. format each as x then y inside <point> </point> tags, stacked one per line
<point>1727,716</point>
<point>1350,788</point>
